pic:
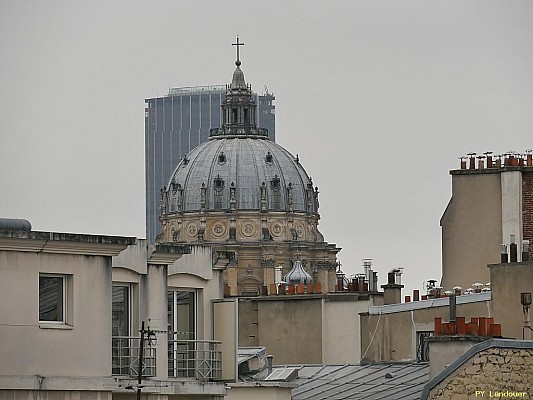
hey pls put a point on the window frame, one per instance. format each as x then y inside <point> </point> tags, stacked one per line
<point>64,303</point>
<point>181,368</point>
<point>130,304</point>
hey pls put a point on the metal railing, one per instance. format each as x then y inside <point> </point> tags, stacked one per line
<point>199,359</point>
<point>125,357</point>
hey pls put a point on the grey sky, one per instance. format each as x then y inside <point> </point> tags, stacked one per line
<point>378,98</point>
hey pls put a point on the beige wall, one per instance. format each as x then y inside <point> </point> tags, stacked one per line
<point>341,333</point>
<point>252,391</point>
<point>471,229</point>
<point>74,358</point>
<point>291,330</point>
<point>444,350</point>
<point>311,329</point>
<point>508,281</point>
<point>39,349</point>
<point>53,395</point>
<point>392,337</point>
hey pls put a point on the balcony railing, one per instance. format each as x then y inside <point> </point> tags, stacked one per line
<point>125,360</point>
<point>199,359</point>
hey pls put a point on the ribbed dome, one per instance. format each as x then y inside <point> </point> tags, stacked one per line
<point>239,168</point>
<point>257,173</point>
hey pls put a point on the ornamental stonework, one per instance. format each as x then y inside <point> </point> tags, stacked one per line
<point>300,231</point>
<point>192,230</point>
<point>276,229</point>
<point>218,229</point>
<point>248,228</point>
<point>174,233</point>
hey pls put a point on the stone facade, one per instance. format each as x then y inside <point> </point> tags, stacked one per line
<point>494,372</point>
<point>254,257</point>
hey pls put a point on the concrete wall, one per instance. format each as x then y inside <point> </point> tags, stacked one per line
<point>471,228</point>
<point>291,330</point>
<point>33,348</point>
<point>392,337</point>
<point>341,333</point>
<point>53,395</point>
<point>244,391</point>
<point>298,329</point>
<point>508,281</point>
<point>444,350</point>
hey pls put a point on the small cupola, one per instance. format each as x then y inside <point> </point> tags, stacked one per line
<point>298,274</point>
<point>239,107</point>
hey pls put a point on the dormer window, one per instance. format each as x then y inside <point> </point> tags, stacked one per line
<point>218,197</point>
<point>218,182</point>
<point>275,183</point>
<point>269,158</point>
<point>275,199</point>
<point>222,158</point>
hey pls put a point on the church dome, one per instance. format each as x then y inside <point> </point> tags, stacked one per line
<point>249,171</point>
<point>239,168</point>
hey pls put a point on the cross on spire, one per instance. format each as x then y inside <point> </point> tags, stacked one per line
<point>238,62</point>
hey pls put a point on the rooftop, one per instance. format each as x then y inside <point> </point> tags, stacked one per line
<point>371,381</point>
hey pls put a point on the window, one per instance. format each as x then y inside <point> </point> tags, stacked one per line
<point>422,345</point>
<point>121,342</point>
<point>121,310</point>
<point>181,333</point>
<point>52,302</point>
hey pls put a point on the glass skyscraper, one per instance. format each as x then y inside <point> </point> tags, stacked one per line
<point>177,123</point>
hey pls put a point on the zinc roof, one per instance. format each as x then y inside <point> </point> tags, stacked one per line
<point>387,381</point>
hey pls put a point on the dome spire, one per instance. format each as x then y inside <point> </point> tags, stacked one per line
<point>239,108</point>
<point>238,62</point>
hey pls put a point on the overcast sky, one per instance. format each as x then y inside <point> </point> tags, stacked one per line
<point>378,98</point>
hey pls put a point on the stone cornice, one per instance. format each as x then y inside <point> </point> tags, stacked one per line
<point>63,243</point>
<point>495,170</point>
<point>166,254</point>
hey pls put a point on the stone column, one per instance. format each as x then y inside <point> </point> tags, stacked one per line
<point>156,299</point>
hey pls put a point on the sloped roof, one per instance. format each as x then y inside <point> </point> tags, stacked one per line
<point>387,381</point>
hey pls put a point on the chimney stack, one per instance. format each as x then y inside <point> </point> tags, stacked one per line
<point>504,257</point>
<point>525,250</point>
<point>393,289</point>
<point>513,249</point>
